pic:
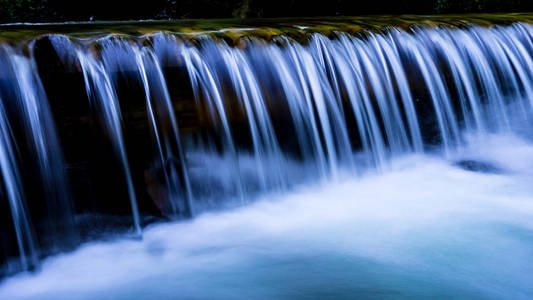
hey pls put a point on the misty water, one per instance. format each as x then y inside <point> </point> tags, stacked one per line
<point>423,228</point>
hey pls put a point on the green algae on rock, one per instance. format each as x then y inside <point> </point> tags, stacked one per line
<point>233,29</point>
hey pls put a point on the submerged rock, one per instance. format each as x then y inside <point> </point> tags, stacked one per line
<point>478,166</point>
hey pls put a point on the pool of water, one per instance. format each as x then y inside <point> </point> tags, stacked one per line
<point>424,228</point>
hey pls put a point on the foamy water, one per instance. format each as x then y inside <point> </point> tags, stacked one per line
<point>424,228</point>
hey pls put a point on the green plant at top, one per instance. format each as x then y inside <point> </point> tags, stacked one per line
<point>16,8</point>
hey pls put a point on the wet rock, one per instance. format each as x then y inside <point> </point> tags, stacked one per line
<point>164,185</point>
<point>478,166</point>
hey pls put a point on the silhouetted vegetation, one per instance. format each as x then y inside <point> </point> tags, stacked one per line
<point>70,10</point>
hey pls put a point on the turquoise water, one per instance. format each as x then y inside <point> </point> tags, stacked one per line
<point>424,228</point>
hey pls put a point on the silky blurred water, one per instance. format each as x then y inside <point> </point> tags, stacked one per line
<point>425,228</point>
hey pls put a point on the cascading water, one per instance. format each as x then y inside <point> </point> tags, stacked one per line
<point>98,84</point>
<point>27,120</point>
<point>197,125</point>
<point>166,135</point>
<point>14,194</point>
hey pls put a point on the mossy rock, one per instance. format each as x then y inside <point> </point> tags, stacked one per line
<point>235,29</point>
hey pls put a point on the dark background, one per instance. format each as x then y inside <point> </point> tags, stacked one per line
<point>78,10</point>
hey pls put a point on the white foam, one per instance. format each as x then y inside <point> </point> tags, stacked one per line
<point>423,229</point>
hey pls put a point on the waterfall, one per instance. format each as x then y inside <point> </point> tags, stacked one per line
<point>15,195</point>
<point>27,121</point>
<point>197,124</point>
<point>100,88</point>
